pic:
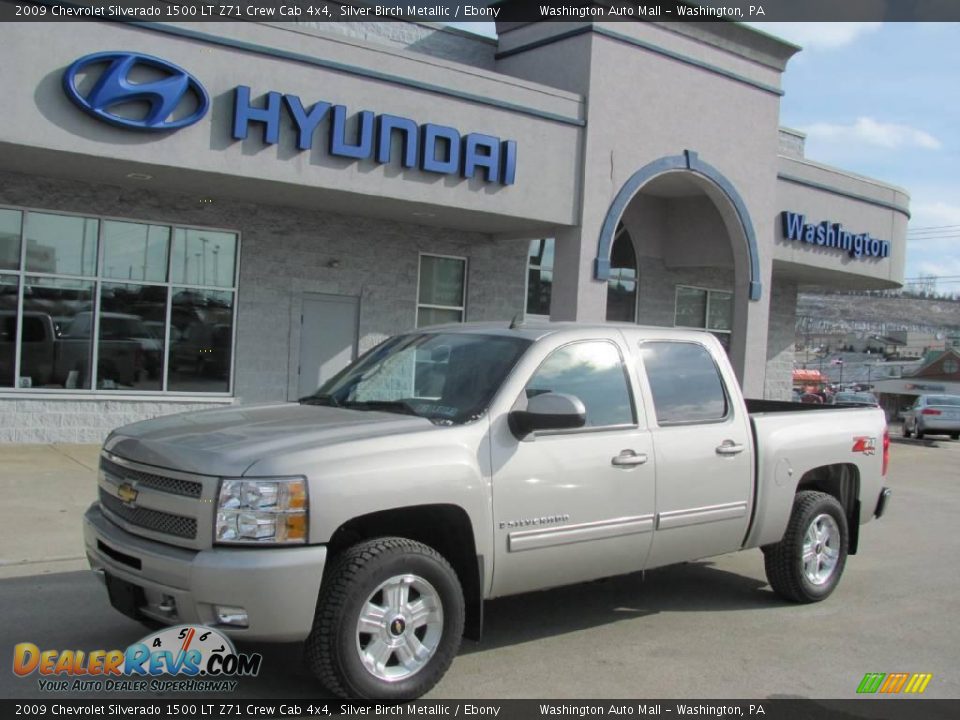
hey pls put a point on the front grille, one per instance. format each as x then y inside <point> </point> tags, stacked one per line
<point>160,522</point>
<point>174,486</point>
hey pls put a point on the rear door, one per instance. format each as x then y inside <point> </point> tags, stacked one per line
<point>703,449</point>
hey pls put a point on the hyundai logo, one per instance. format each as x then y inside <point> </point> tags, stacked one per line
<point>114,88</point>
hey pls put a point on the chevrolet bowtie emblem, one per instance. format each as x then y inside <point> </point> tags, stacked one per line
<point>127,492</point>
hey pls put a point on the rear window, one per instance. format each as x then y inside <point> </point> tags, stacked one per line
<point>944,400</point>
<point>685,383</point>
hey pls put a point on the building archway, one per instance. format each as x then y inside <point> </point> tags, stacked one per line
<point>695,249</point>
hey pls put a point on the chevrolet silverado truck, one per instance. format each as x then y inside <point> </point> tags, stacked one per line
<point>456,464</point>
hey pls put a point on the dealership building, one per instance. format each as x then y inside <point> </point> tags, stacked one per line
<point>198,214</point>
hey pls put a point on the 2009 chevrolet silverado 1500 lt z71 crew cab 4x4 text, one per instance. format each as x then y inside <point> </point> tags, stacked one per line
<point>460,463</point>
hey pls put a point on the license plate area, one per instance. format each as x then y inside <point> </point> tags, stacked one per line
<point>125,596</point>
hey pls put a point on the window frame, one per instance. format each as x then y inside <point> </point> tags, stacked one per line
<point>586,428</point>
<point>98,279</point>
<point>462,307</point>
<point>727,417</point>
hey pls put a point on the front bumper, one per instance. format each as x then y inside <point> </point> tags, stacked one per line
<point>277,587</point>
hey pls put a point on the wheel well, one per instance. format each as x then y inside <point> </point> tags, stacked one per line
<point>843,482</point>
<point>445,528</point>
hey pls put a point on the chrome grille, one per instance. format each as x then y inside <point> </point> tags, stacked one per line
<point>174,486</point>
<point>154,520</point>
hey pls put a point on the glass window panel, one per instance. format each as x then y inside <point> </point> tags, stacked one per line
<point>441,281</point>
<point>8,329</point>
<point>130,345</point>
<point>684,382</point>
<point>10,222</point>
<point>593,372</point>
<point>203,257</point>
<point>61,244</point>
<point>437,316</point>
<point>539,289</point>
<point>55,345</point>
<point>721,311</point>
<point>201,337</point>
<point>540,253</point>
<point>134,251</point>
<point>691,307</point>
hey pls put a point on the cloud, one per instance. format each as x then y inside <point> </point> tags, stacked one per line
<point>867,131</point>
<point>818,35</point>
<point>934,214</point>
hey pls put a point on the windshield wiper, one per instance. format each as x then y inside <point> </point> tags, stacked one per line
<point>329,400</point>
<point>385,405</point>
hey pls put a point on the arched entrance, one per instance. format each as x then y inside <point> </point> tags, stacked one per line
<point>686,233</point>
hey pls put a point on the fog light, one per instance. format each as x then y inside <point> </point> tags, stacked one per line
<point>231,616</point>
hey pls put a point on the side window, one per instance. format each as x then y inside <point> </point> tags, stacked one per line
<point>685,383</point>
<point>593,372</point>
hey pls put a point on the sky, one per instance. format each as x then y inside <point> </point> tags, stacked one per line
<point>882,100</point>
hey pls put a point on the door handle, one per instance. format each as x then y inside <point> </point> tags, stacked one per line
<point>729,447</point>
<point>628,458</point>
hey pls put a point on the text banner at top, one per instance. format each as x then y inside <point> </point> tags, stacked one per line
<point>502,11</point>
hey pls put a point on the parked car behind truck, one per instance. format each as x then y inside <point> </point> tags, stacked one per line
<point>372,522</point>
<point>933,415</point>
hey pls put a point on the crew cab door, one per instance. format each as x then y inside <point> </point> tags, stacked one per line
<point>703,448</point>
<point>572,505</point>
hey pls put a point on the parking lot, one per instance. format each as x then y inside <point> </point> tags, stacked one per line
<point>707,629</point>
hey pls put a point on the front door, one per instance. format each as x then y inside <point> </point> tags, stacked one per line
<point>574,505</point>
<point>328,338</point>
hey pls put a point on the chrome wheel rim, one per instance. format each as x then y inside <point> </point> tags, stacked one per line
<point>821,549</point>
<point>399,628</point>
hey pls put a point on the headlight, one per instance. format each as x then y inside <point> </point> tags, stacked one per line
<point>262,510</point>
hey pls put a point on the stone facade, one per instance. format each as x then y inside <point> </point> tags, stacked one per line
<point>285,252</point>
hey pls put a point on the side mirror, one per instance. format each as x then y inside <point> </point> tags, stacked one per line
<point>550,411</point>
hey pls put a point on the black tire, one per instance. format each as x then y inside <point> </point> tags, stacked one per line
<point>919,432</point>
<point>784,561</point>
<point>906,429</point>
<point>955,436</point>
<point>333,649</point>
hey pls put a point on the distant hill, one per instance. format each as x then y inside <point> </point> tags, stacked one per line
<point>841,313</point>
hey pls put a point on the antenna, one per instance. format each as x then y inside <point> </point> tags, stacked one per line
<point>515,323</point>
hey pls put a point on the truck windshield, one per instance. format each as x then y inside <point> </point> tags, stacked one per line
<point>448,378</point>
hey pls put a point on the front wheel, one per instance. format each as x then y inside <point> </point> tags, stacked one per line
<point>388,623</point>
<point>806,565</point>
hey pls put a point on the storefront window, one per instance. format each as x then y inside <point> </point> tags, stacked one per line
<point>61,244</point>
<point>9,287</point>
<point>132,251</point>
<point>10,221</point>
<point>622,284</point>
<point>706,310</point>
<point>441,297</point>
<point>201,339</point>
<point>540,276</point>
<point>155,312</point>
<point>55,347</point>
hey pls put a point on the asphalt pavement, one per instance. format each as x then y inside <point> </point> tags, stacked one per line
<point>706,629</point>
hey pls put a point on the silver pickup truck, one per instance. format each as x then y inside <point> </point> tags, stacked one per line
<point>451,465</point>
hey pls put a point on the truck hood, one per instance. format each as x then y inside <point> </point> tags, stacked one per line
<point>226,442</point>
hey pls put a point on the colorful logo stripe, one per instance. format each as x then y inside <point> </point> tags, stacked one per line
<point>914,683</point>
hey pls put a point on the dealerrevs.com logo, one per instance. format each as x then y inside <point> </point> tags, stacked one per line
<point>135,91</point>
<point>204,658</point>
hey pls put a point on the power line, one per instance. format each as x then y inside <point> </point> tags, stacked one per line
<point>932,227</point>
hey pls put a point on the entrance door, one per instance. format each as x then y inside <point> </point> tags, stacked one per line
<point>328,338</point>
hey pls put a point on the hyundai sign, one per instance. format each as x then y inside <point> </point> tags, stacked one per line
<point>171,93</point>
<point>177,99</point>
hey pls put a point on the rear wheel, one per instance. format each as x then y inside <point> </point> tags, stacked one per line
<point>906,429</point>
<point>920,432</point>
<point>806,565</point>
<point>955,436</point>
<point>389,621</point>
